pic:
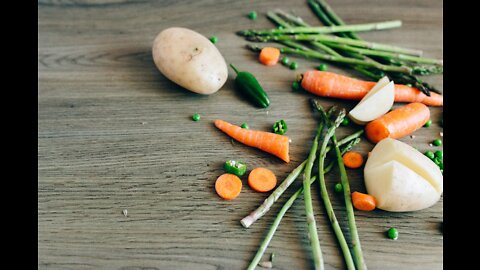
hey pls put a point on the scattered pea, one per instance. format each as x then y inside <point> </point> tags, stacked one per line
<point>338,187</point>
<point>280,27</point>
<point>245,126</point>
<point>428,123</point>
<point>392,233</point>
<point>295,85</point>
<point>430,155</point>
<point>252,15</point>
<point>196,117</point>
<point>439,154</point>
<point>294,65</point>
<point>345,122</point>
<point>214,39</point>
<point>437,142</point>
<point>285,60</point>
<point>408,84</point>
<point>322,67</point>
<point>437,161</point>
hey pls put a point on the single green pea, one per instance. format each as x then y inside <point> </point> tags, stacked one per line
<point>345,122</point>
<point>428,123</point>
<point>439,154</point>
<point>294,65</point>
<point>295,85</point>
<point>408,84</point>
<point>280,27</point>
<point>430,155</point>
<point>285,60</point>
<point>392,233</point>
<point>252,15</point>
<point>245,126</point>
<point>214,39</point>
<point>196,117</point>
<point>322,67</point>
<point>338,187</point>
<point>437,161</point>
<point>437,142</point>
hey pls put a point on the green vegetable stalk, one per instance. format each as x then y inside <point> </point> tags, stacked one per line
<point>250,87</point>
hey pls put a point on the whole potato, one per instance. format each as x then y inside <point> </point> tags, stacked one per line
<point>190,60</point>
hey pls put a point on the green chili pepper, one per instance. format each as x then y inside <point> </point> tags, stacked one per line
<point>249,86</point>
<point>280,127</point>
<point>235,167</point>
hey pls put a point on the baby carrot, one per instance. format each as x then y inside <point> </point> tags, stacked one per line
<point>398,123</point>
<point>363,202</point>
<point>352,160</point>
<point>329,84</point>
<point>272,143</point>
<point>262,179</point>
<point>228,186</point>
<point>269,56</point>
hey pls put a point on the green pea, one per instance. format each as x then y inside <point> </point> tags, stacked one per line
<point>408,84</point>
<point>245,126</point>
<point>322,67</point>
<point>428,123</point>
<point>345,122</point>
<point>280,27</point>
<point>439,154</point>
<point>285,60</point>
<point>437,142</point>
<point>196,117</point>
<point>392,233</point>
<point>295,85</point>
<point>338,187</point>
<point>214,39</point>
<point>294,65</point>
<point>430,155</point>
<point>437,161</point>
<point>440,165</point>
<point>252,15</point>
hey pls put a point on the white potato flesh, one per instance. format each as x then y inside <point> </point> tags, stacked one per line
<point>379,85</point>
<point>397,188</point>
<point>418,173</point>
<point>374,105</point>
<point>190,60</point>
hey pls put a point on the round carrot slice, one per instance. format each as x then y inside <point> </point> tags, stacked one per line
<point>262,180</point>
<point>228,186</point>
<point>363,202</point>
<point>352,160</point>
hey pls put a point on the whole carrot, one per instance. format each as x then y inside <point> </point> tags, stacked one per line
<point>398,123</point>
<point>329,84</point>
<point>272,143</point>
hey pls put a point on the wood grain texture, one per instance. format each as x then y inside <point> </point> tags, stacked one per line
<point>114,134</point>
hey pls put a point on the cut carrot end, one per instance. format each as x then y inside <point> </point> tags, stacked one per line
<point>228,186</point>
<point>269,56</point>
<point>363,202</point>
<point>353,160</point>
<point>262,180</point>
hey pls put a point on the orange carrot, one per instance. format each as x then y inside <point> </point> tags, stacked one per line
<point>272,143</point>
<point>398,123</point>
<point>363,202</point>
<point>352,160</point>
<point>262,179</point>
<point>328,84</point>
<point>228,186</point>
<point>269,56</point>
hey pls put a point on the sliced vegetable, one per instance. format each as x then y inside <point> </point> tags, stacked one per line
<point>250,87</point>
<point>262,179</point>
<point>280,127</point>
<point>269,56</point>
<point>235,167</point>
<point>272,143</point>
<point>392,233</point>
<point>363,202</point>
<point>398,123</point>
<point>228,186</point>
<point>328,84</point>
<point>352,160</point>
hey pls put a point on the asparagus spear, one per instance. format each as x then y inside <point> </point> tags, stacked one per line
<point>333,18</point>
<point>273,228</point>
<point>323,29</point>
<point>275,195</point>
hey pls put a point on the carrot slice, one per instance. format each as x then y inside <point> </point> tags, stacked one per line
<point>353,160</point>
<point>398,123</point>
<point>228,186</point>
<point>269,56</point>
<point>262,179</point>
<point>363,202</point>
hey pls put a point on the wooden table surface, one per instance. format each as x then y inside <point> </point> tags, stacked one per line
<point>115,134</point>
